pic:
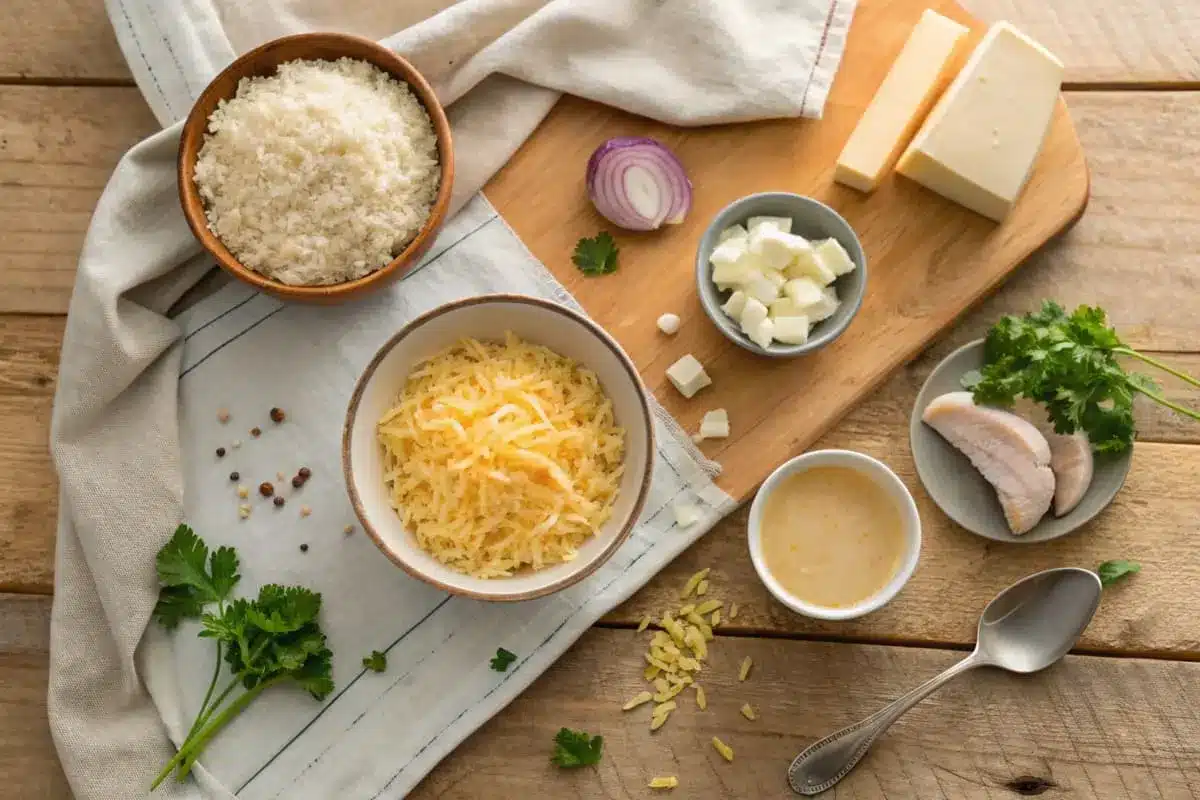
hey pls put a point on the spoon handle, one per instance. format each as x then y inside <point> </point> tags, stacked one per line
<point>826,762</point>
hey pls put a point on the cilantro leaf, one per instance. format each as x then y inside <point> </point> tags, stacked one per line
<point>502,659</point>
<point>576,749</point>
<point>1112,571</point>
<point>376,662</point>
<point>177,603</point>
<point>190,579</point>
<point>596,256</point>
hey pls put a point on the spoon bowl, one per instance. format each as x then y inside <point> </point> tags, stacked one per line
<point>1026,628</point>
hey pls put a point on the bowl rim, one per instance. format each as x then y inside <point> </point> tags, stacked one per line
<point>196,123</point>
<point>643,404</point>
<point>725,326</point>
<point>878,472</point>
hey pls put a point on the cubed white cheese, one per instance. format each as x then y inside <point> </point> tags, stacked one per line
<point>776,248</point>
<point>753,313</point>
<point>834,256</point>
<point>732,274</point>
<point>761,288</point>
<point>824,309</point>
<point>762,333</point>
<point>669,324</point>
<point>784,307</point>
<point>803,291</point>
<point>688,375</point>
<point>715,424</point>
<point>729,251</point>
<point>791,330</point>
<point>734,305</point>
<point>686,514</point>
<point>813,268</point>
<point>776,277</point>
<point>733,232</point>
<point>779,223</point>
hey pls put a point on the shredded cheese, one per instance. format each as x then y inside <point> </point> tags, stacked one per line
<point>500,456</point>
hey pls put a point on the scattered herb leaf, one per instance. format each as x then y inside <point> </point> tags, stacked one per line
<point>268,640</point>
<point>376,662</point>
<point>596,256</point>
<point>502,659</point>
<point>1069,364</point>
<point>1112,571</point>
<point>576,748</point>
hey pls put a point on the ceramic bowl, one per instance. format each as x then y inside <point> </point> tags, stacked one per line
<point>811,219</point>
<point>264,60</point>
<point>881,475</point>
<point>488,317</point>
<point>962,492</point>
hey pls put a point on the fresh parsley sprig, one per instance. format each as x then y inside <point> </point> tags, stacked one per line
<point>576,748</point>
<point>597,255</point>
<point>1068,363</point>
<point>272,639</point>
<point>1112,571</point>
<point>501,661</point>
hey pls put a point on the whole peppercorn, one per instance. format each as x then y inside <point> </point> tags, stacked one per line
<point>297,482</point>
<point>278,501</point>
<point>220,452</point>
<point>256,432</point>
<point>235,476</point>
<point>303,548</point>
<point>305,473</point>
<point>266,489</point>
<point>277,415</point>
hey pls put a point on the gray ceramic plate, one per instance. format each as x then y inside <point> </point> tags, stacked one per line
<point>968,499</point>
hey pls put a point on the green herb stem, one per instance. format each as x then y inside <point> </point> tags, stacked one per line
<point>205,714</point>
<point>212,685</point>
<point>1183,376</point>
<point>1158,398</point>
<point>214,725</point>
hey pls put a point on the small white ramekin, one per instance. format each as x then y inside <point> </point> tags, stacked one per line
<point>878,472</point>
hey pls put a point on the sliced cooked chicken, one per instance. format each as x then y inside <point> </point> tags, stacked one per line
<point>1070,457</point>
<point>1010,453</point>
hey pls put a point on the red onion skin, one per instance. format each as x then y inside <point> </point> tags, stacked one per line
<point>680,188</point>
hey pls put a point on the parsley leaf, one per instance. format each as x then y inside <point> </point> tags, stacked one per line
<point>1069,363</point>
<point>502,659</point>
<point>376,662</point>
<point>576,748</point>
<point>1112,571</point>
<point>190,578</point>
<point>596,256</point>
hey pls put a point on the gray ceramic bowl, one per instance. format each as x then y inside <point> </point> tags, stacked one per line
<point>810,219</point>
<point>959,489</point>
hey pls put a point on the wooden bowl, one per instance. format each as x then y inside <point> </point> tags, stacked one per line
<point>264,60</point>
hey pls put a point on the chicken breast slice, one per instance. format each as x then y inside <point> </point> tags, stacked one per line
<point>1071,458</point>
<point>1008,451</point>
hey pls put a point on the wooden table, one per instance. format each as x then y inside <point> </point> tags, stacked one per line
<point>1116,720</point>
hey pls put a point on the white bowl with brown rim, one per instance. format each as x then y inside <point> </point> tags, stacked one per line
<point>488,317</point>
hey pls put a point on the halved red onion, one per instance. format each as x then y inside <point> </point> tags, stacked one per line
<point>638,184</point>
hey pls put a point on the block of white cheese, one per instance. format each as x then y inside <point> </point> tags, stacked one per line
<point>715,424</point>
<point>979,144</point>
<point>917,77</point>
<point>779,223</point>
<point>688,375</point>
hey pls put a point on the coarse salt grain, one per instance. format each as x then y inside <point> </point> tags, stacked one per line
<point>320,173</point>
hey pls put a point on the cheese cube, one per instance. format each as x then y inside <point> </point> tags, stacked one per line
<point>762,333</point>
<point>688,375</point>
<point>779,223</point>
<point>813,268</point>
<point>803,292</point>
<point>792,330</point>
<point>825,308</point>
<point>715,424</point>
<point>668,324</point>
<point>785,307</point>
<point>776,277</point>
<point>776,248</point>
<point>981,140</point>
<point>729,251</point>
<point>761,288</point>
<point>732,274</point>
<point>918,75</point>
<point>733,232</point>
<point>734,305</point>
<point>753,314</point>
<point>831,253</point>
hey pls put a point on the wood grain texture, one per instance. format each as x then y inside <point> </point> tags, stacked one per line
<point>58,147</point>
<point>60,40</point>
<point>1109,729</point>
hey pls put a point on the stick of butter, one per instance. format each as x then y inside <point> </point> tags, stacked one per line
<point>980,142</point>
<point>918,75</point>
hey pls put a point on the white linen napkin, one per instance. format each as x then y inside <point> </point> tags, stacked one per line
<point>132,427</point>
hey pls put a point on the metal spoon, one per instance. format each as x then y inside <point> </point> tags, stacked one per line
<point>1026,628</point>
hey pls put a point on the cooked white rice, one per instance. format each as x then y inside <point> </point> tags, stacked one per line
<point>318,174</point>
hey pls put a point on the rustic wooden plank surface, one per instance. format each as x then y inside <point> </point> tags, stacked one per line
<point>1109,41</point>
<point>1110,729</point>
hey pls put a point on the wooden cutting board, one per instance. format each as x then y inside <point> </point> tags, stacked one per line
<point>929,259</point>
